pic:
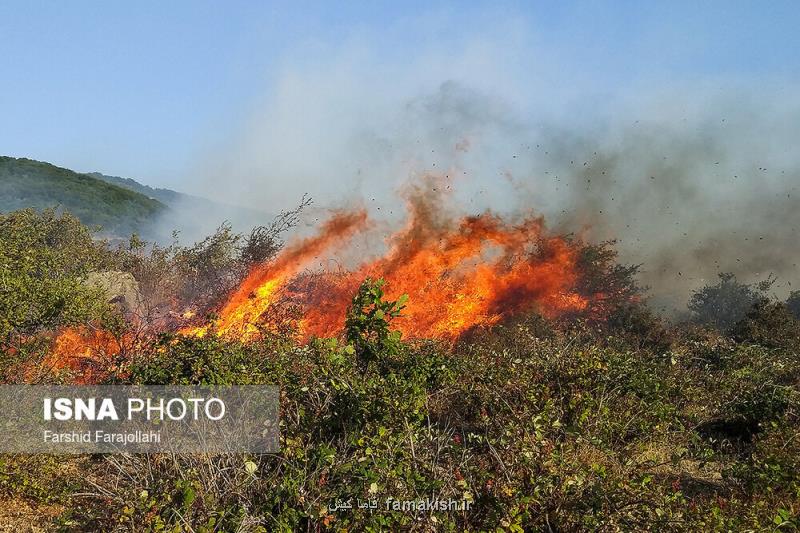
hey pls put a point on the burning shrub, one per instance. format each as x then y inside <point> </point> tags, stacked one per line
<point>540,426</point>
<point>563,431</point>
<point>209,269</point>
<point>175,277</point>
<point>181,284</point>
<point>45,259</point>
<point>264,242</point>
<point>606,284</point>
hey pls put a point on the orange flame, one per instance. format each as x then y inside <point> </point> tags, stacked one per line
<point>84,351</point>
<point>458,273</point>
<point>243,311</point>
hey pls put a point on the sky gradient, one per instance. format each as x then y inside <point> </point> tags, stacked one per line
<point>152,90</point>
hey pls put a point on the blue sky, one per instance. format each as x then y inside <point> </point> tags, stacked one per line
<point>152,90</point>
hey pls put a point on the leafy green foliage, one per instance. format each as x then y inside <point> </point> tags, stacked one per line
<point>570,430</point>
<point>44,261</point>
<point>607,285</point>
<point>367,323</point>
<point>631,424</point>
<point>197,361</point>
<point>637,324</point>
<point>561,432</point>
<point>197,277</point>
<point>41,478</point>
<point>724,304</point>
<point>210,267</point>
<point>770,324</point>
<point>32,184</point>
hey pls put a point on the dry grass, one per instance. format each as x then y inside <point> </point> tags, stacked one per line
<point>19,515</point>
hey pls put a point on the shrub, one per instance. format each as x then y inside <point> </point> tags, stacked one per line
<point>208,360</point>
<point>367,324</point>
<point>793,304</point>
<point>45,259</point>
<point>605,283</point>
<point>724,304</point>
<point>539,425</point>
<point>770,324</point>
<point>640,326</point>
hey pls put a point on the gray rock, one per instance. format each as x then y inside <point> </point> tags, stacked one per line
<point>121,289</point>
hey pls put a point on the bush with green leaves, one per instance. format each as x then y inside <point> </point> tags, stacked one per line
<point>605,283</point>
<point>45,258</point>
<point>628,424</point>
<point>727,302</point>
<point>560,428</point>
<point>367,324</point>
<point>770,324</point>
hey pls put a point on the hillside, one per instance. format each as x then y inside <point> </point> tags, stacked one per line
<point>118,210</point>
<point>121,206</point>
<point>193,216</point>
<point>165,196</point>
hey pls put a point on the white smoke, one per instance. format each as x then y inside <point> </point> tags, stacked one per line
<point>692,177</point>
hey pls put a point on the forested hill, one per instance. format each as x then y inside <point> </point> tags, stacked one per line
<point>165,196</point>
<point>190,210</point>
<point>119,211</point>
<point>120,206</point>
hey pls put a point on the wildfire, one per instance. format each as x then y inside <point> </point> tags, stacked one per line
<point>84,351</point>
<point>459,273</point>
<point>244,310</point>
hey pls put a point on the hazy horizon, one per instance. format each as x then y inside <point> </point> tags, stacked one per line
<point>669,128</point>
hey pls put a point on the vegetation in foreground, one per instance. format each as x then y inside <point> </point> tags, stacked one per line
<point>628,423</point>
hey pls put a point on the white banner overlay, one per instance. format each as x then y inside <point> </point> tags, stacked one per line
<point>138,419</point>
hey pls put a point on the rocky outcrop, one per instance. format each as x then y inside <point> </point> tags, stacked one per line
<point>121,289</point>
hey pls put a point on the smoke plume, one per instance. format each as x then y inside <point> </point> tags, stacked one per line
<point>690,179</point>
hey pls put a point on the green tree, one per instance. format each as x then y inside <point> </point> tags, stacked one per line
<point>608,285</point>
<point>727,302</point>
<point>44,260</point>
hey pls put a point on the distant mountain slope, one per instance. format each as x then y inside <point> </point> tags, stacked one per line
<point>118,210</point>
<point>193,216</point>
<point>174,198</point>
<point>165,196</point>
<point>121,206</point>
